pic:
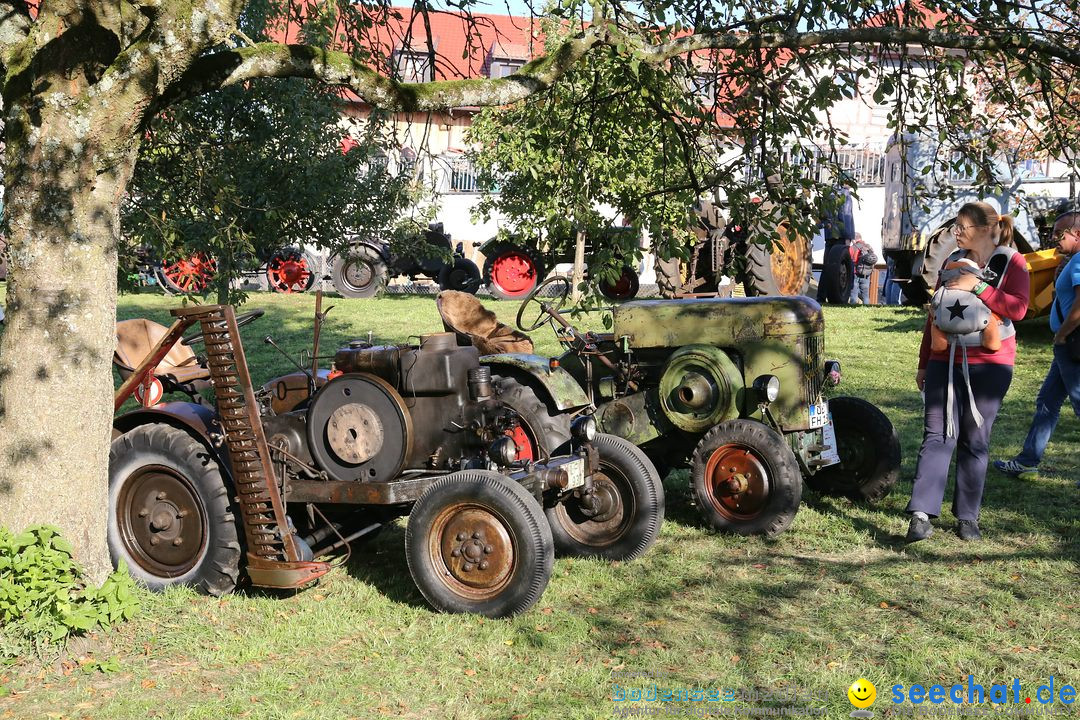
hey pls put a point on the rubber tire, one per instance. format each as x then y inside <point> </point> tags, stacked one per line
<point>462,275</point>
<point>776,455</point>
<point>837,275</point>
<point>517,508</point>
<point>648,494</point>
<point>501,249</point>
<point>364,254</point>
<point>861,423</point>
<point>758,278</point>
<point>309,260</point>
<point>549,431</point>
<point>218,571</point>
<point>668,277</point>
<point>609,290</point>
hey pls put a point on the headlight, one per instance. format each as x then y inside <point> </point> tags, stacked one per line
<point>584,428</point>
<point>503,451</point>
<point>768,386</point>
<point>832,372</point>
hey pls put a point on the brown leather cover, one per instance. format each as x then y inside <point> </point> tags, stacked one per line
<point>136,338</point>
<point>464,315</point>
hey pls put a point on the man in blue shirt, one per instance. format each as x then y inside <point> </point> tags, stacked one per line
<point>1063,379</point>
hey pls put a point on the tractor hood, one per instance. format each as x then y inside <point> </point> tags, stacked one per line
<point>715,321</point>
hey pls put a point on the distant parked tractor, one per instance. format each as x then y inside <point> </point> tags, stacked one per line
<point>513,268</point>
<point>317,460</point>
<point>363,270</point>
<point>724,249</point>
<point>732,388</point>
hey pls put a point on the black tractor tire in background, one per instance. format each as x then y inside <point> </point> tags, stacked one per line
<point>170,518</point>
<point>787,270</point>
<point>837,274</point>
<point>668,276</point>
<point>461,275</point>
<point>511,272</point>
<point>477,542</point>
<point>869,450</point>
<point>623,289</point>
<point>746,479</point>
<point>359,272</point>
<point>630,486</point>
<point>547,430</point>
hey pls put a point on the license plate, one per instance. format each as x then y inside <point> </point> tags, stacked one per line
<point>830,456</point>
<point>819,414</point>
<point>575,469</point>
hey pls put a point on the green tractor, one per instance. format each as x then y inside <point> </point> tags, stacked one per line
<point>731,388</point>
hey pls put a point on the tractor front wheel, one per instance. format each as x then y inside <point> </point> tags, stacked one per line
<point>746,479</point>
<point>511,272</point>
<point>477,542</point>
<point>169,514</point>
<point>359,272</point>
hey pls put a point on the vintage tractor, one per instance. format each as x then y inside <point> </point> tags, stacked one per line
<point>363,270</point>
<point>731,387</point>
<point>314,461</point>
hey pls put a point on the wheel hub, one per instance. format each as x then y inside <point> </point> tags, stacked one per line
<point>359,273</point>
<point>737,481</point>
<point>161,522</point>
<point>602,502</point>
<point>514,273</point>
<point>475,548</point>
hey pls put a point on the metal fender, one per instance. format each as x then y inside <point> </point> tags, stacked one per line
<point>199,421</point>
<point>559,384</point>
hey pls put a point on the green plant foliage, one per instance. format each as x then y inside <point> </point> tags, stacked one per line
<point>43,595</point>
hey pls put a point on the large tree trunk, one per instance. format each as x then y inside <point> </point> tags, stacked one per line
<point>55,376</point>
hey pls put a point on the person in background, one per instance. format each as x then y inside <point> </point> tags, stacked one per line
<point>983,237</point>
<point>1063,378</point>
<point>863,260</point>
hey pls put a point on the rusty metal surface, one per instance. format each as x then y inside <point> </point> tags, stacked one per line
<point>566,393</point>
<point>790,261</point>
<point>285,575</point>
<point>150,362</point>
<point>335,492</point>
<point>266,529</point>
<point>288,391</point>
<point>637,417</point>
<point>724,322</point>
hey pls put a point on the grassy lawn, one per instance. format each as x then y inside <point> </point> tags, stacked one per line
<point>836,598</point>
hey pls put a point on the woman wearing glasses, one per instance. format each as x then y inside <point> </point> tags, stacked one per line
<point>1063,379</point>
<point>984,238</point>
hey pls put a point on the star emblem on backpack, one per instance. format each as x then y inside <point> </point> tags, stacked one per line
<point>956,310</point>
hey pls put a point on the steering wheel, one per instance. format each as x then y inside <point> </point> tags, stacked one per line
<point>544,308</point>
<point>241,320</point>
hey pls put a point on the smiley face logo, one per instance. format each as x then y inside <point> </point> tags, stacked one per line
<point>862,693</point>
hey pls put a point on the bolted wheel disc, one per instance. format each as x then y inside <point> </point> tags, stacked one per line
<point>737,482</point>
<point>473,548</point>
<point>162,522</point>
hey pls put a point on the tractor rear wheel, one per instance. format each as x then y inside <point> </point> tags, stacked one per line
<point>786,270</point>
<point>290,270</point>
<point>511,272</point>
<point>477,542</point>
<point>359,272</point>
<point>625,288</point>
<point>746,479</point>
<point>170,518</point>
<point>187,276</point>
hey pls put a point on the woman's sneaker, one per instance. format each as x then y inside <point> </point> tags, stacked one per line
<point>1016,470</point>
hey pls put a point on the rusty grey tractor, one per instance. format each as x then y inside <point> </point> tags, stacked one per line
<point>734,389</point>
<point>256,489</point>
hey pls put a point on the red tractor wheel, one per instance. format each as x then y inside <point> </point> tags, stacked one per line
<point>289,271</point>
<point>625,288</point>
<point>512,272</point>
<point>188,276</point>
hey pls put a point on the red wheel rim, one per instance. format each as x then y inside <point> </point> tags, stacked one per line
<point>525,449</point>
<point>514,273</point>
<point>737,482</point>
<point>621,287</point>
<point>191,275</point>
<point>288,274</point>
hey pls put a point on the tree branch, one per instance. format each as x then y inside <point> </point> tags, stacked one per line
<point>229,67</point>
<point>1007,38</point>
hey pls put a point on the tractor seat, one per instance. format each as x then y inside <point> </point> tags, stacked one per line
<point>134,341</point>
<point>473,323</point>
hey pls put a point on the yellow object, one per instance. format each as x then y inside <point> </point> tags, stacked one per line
<point>1041,266</point>
<point>862,693</point>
